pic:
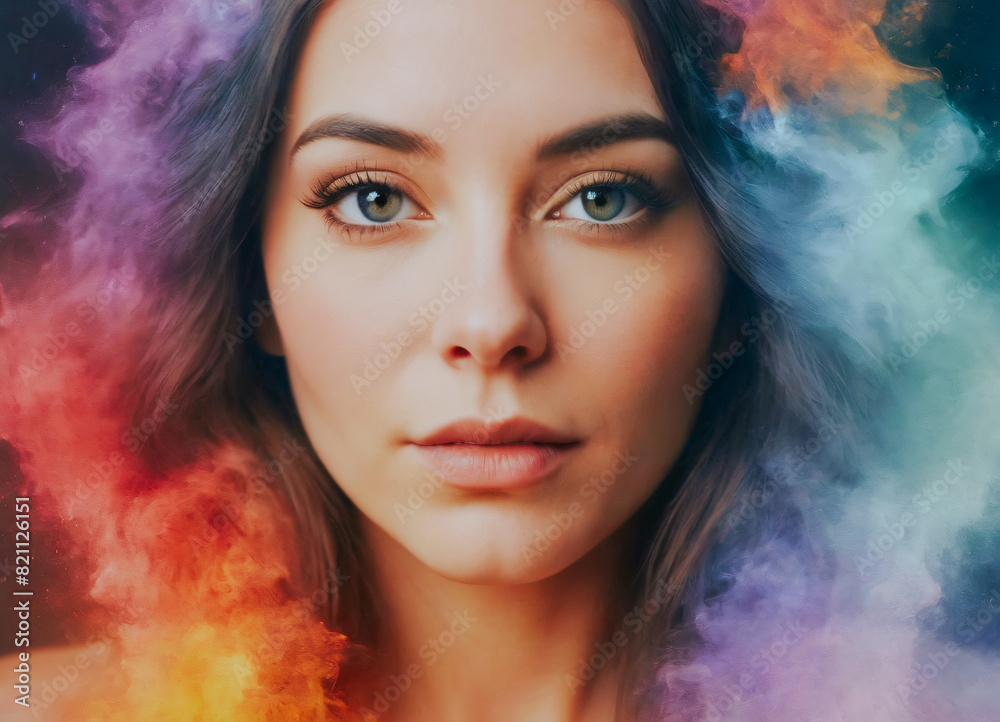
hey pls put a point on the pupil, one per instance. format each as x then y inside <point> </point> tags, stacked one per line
<point>379,204</point>
<point>603,203</point>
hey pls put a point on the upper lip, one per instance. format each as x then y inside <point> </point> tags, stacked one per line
<point>515,430</point>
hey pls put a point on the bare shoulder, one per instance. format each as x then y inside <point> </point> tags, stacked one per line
<point>49,683</point>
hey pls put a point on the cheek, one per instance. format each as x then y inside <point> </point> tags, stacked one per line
<point>641,343</point>
<point>323,344</point>
<point>636,365</point>
<point>331,323</point>
<point>332,336</point>
<point>671,332</point>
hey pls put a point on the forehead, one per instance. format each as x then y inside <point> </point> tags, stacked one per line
<point>501,66</point>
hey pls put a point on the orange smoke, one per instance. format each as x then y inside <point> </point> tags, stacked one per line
<point>795,50</point>
<point>192,569</point>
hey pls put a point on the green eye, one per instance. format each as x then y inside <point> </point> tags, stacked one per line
<point>379,204</point>
<point>361,202</point>
<point>606,203</point>
<point>602,203</point>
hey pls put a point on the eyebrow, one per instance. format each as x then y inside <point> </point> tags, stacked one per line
<point>351,127</point>
<point>613,129</point>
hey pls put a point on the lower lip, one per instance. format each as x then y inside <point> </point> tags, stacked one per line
<point>497,466</point>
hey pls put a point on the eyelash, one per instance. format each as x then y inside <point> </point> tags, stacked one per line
<point>331,189</point>
<point>655,198</point>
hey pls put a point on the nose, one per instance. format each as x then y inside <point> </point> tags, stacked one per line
<point>496,323</point>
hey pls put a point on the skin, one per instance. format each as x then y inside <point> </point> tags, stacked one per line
<point>488,213</point>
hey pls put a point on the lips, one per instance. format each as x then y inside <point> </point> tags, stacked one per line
<point>473,454</point>
<point>512,431</point>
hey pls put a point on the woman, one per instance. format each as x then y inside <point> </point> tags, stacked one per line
<point>496,262</point>
<point>527,244</point>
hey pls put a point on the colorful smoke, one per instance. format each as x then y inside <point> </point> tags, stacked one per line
<point>183,580</point>
<point>874,597</point>
<point>869,590</point>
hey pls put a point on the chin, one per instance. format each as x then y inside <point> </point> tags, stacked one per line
<point>482,549</point>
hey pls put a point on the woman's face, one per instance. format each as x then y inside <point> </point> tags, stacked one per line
<point>476,212</point>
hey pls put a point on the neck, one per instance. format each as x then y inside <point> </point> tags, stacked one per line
<point>458,651</point>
